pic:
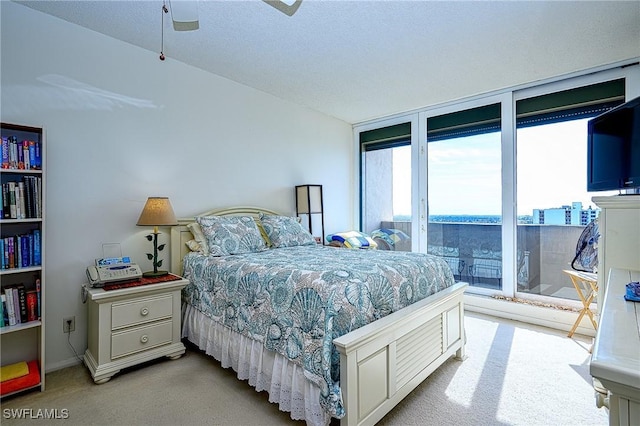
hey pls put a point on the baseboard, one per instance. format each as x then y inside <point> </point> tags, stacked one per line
<point>69,362</point>
<point>557,319</point>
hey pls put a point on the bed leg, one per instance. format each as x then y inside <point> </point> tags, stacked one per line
<point>460,353</point>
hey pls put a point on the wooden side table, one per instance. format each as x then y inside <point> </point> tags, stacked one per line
<point>131,325</point>
<point>586,285</point>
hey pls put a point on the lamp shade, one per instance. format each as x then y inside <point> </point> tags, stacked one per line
<point>157,212</point>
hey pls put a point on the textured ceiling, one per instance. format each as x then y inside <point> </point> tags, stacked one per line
<point>357,60</point>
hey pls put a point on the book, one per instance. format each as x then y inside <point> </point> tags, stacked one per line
<point>24,251</point>
<point>38,155</point>
<point>28,197</point>
<point>13,152</point>
<point>2,310</point>
<point>20,153</point>
<point>25,155</point>
<point>18,251</point>
<point>11,314</point>
<point>39,296</point>
<point>6,253</point>
<point>5,316</point>
<point>32,154</point>
<point>32,306</point>
<point>6,211</point>
<point>16,305</point>
<point>23,201</point>
<point>11,257</point>
<point>37,254</point>
<point>12,200</point>
<point>22,302</point>
<point>5,152</point>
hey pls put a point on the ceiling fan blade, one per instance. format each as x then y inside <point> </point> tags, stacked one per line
<point>184,14</point>
<point>288,7</point>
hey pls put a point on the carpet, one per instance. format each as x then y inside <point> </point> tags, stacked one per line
<point>514,374</point>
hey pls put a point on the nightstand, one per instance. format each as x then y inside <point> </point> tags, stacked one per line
<point>131,325</point>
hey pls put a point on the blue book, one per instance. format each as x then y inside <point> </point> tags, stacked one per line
<point>38,156</point>
<point>32,155</point>
<point>5,153</point>
<point>3,311</point>
<point>37,254</point>
<point>31,258</point>
<point>24,250</point>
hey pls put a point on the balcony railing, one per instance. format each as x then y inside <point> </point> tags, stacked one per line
<point>474,253</point>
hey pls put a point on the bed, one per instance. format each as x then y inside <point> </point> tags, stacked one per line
<point>346,354</point>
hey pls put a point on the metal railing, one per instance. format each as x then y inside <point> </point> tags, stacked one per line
<point>474,253</point>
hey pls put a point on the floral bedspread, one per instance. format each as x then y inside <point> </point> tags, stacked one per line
<point>296,300</point>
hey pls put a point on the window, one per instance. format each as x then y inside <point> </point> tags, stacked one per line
<point>552,203</point>
<point>386,185</point>
<point>497,182</point>
<point>465,193</point>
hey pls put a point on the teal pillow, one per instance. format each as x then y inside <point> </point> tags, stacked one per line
<point>227,235</point>
<point>285,231</point>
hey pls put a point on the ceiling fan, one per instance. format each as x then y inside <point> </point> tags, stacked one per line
<point>184,13</point>
<point>288,7</point>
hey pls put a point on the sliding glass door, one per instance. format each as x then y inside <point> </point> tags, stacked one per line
<point>553,204</point>
<point>464,193</point>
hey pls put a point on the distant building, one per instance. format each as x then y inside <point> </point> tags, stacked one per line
<point>565,215</point>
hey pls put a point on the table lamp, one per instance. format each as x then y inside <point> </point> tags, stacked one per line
<point>156,212</point>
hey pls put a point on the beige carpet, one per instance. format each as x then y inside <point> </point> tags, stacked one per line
<point>515,374</point>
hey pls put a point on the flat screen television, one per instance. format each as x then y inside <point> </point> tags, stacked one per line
<point>613,150</point>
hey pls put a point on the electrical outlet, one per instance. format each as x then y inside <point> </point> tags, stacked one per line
<point>69,324</point>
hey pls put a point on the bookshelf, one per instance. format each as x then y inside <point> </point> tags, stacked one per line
<point>22,254</point>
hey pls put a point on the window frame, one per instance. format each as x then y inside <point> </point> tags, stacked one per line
<point>628,70</point>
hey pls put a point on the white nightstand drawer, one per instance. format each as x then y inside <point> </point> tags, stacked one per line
<point>141,338</point>
<point>131,325</point>
<point>139,311</point>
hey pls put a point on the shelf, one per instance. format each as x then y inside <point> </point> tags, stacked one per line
<point>26,388</point>
<point>22,171</point>
<point>13,221</point>
<point>19,327</point>
<point>20,270</point>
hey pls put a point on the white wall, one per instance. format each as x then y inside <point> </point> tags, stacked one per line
<point>121,125</point>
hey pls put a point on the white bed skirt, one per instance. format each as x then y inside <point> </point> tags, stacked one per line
<point>263,369</point>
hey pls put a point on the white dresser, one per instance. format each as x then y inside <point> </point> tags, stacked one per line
<point>129,326</point>
<point>619,243</point>
<point>615,360</point>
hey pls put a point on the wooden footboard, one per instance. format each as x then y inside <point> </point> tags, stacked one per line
<point>382,362</point>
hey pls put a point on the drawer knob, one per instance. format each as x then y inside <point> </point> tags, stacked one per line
<point>144,311</point>
<point>144,338</point>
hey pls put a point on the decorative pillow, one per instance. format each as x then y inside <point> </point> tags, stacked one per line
<point>285,231</point>
<point>353,239</point>
<point>194,246</point>
<point>390,236</point>
<point>198,235</point>
<point>263,233</point>
<point>227,235</point>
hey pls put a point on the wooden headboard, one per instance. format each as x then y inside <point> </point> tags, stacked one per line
<point>180,234</point>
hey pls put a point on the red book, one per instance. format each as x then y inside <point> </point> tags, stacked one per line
<point>32,306</point>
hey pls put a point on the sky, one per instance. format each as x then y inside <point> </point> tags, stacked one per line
<point>464,174</point>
